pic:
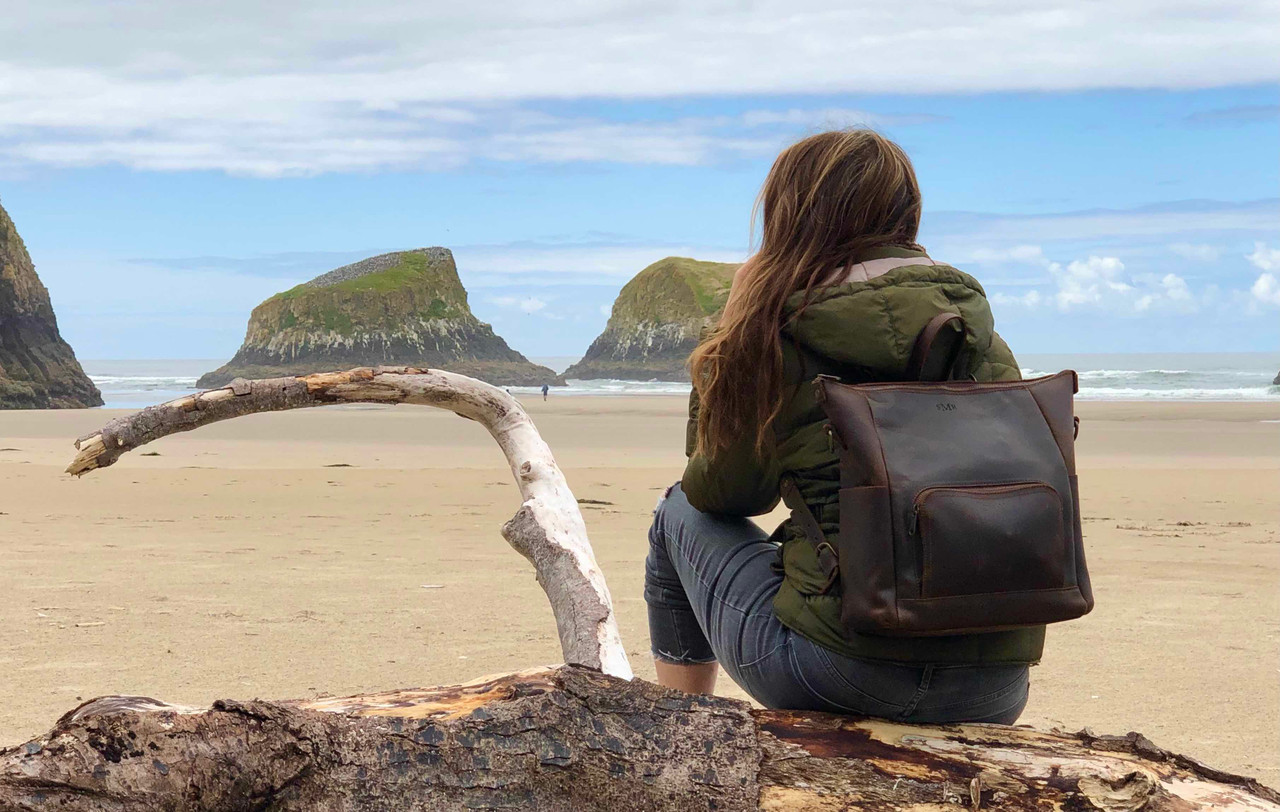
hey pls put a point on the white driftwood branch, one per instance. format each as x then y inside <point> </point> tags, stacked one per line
<point>548,529</point>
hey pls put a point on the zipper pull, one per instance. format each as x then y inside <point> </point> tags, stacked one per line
<point>831,439</point>
<point>820,387</point>
<point>913,522</point>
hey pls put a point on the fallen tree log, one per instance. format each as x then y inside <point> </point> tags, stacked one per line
<point>575,737</point>
<point>571,738</point>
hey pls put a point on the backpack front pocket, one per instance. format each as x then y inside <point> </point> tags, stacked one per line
<point>987,539</point>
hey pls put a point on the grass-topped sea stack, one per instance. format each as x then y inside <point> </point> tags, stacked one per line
<point>38,370</point>
<point>405,308</point>
<point>656,321</point>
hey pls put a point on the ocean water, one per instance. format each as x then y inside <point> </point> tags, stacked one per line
<point>1160,376</point>
<point>1144,376</point>
<point>133,384</point>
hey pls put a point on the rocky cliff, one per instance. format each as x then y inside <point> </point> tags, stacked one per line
<point>656,321</point>
<point>38,370</point>
<point>405,308</point>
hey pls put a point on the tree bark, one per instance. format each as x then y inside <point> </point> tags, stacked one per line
<point>576,737</point>
<point>571,738</point>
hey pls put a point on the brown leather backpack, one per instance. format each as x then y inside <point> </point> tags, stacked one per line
<point>959,508</point>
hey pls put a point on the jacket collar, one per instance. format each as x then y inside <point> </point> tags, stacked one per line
<point>887,251</point>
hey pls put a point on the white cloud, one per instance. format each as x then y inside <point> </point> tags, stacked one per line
<point>1031,298</point>
<point>831,118</point>
<point>681,142</point>
<point>1195,251</point>
<point>1170,289</point>
<point>1175,287</point>
<point>1033,254</point>
<point>294,87</point>
<point>1266,290</point>
<point>1264,258</point>
<point>528,304</point>
<point>1099,282</point>
<point>366,140</point>
<point>602,259</point>
<point>969,234</point>
<point>1088,281</point>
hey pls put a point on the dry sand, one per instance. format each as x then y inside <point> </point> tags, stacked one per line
<point>355,549</point>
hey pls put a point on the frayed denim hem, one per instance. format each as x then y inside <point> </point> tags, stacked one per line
<point>677,659</point>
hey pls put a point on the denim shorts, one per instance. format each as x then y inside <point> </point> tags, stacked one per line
<point>709,585</point>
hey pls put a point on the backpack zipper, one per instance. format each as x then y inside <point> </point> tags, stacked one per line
<point>819,387</point>
<point>953,386</point>
<point>913,520</point>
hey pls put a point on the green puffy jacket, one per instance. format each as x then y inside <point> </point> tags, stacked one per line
<point>859,332</point>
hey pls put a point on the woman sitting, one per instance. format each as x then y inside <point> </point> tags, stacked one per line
<point>838,287</point>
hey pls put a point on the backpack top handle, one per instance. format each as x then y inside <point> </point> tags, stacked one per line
<point>939,350</point>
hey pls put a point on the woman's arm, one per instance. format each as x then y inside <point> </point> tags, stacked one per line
<point>737,482</point>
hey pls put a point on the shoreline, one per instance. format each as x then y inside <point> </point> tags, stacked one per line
<point>1122,377</point>
<point>561,392</point>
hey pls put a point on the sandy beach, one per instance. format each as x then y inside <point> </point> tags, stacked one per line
<point>354,549</point>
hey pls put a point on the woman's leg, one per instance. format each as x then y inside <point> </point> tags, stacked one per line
<point>683,657</point>
<point>689,551</point>
<point>710,583</point>
<point>698,678</point>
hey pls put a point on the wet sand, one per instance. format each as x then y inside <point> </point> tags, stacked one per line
<point>355,549</point>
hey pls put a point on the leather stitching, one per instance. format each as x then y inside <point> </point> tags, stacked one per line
<point>925,679</point>
<point>893,547</point>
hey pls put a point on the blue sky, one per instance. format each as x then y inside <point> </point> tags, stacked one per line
<point>1110,174</point>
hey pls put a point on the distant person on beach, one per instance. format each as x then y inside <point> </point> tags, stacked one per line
<point>545,390</point>
<point>839,286</point>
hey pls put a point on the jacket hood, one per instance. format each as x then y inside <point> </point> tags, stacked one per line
<point>873,324</point>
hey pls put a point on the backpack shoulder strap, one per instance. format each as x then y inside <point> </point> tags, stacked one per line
<point>802,515</point>
<point>800,510</point>
<point>938,350</point>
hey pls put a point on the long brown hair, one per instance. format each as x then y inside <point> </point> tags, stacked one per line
<point>827,201</point>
